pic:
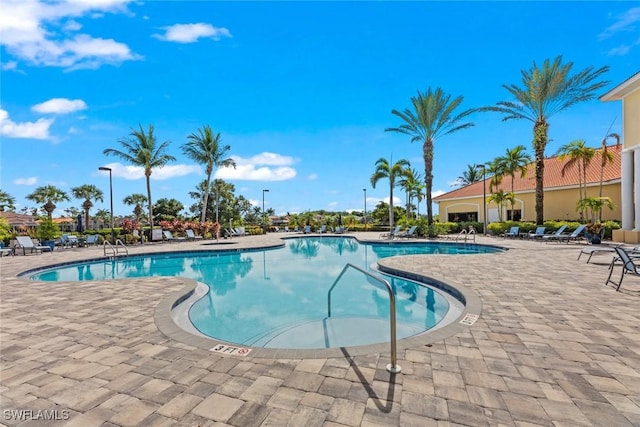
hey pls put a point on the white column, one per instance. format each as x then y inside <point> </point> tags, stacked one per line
<point>636,189</point>
<point>626,188</point>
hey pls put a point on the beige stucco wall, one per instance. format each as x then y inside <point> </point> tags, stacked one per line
<point>631,111</point>
<point>558,204</point>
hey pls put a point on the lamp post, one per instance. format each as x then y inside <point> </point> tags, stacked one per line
<point>264,219</point>
<point>217,210</point>
<point>104,168</point>
<point>365,208</point>
<point>484,199</point>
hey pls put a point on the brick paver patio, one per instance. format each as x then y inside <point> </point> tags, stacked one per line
<point>553,346</point>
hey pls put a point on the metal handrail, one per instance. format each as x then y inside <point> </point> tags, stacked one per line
<point>115,251</point>
<point>393,367</point>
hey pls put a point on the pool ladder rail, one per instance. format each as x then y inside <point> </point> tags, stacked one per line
<point>115,251</point>
<point>392,367</point>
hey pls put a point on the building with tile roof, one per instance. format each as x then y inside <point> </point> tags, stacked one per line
<point>561,193</point>
<point>629,93</point>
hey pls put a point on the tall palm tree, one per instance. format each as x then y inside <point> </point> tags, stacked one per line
<point>384,169</point>
<point>136,200</point>
<point>49,195</point>
<point>578,154</point>
<point>7,201</point>
<point>103,215</point>
<point>204,147</point>
<point>88,192</point>
<point>545,91</point>
<point>433,115</point>
<point>142,149</point>
<point>471,175</point>
<point>495,169</point>
<point>515,160</point>
<point>410,182</point>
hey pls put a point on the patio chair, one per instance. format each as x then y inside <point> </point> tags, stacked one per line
<point>537,234</point>
<point>554,235</point>
<point>323,229</point>
<point>628,266</point>
<point>240,231</point>
<point>25,242</point>
<point>391,234</point>
<point>191,235</point>
<point>512,233</point>
<point>169,237</point>
<point>409,233</point>
<point>575,235</point>
<point>92,240</point>
<point>307,229</point>
<point>6,251</point>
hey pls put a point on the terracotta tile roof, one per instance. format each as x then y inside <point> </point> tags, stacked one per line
<point>553,177</point>
<point>19,220</point>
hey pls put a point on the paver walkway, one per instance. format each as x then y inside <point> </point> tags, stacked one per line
<point>553,347</point>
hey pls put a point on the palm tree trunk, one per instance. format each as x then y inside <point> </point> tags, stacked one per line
<point>390,206</point>
<point>427,154</point>
<point>539,143</point>
<point>205,198</point>
<point>148,175</point>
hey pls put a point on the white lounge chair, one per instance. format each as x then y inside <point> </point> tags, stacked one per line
<point>409,233</point>
<point>191,235</point>
<point>25,243</point>
<point>555,235</point>
<point>169,237</point>
<point>391,234</point>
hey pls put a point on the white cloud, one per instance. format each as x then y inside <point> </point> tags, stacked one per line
<point>312,177</point>
<point>190,33</point>
<point>136,172</point>
<point>261,167</point>
<point>32,180</point>
<point>625,22</point>
<point>42,33</point>
<point>10,65</point>
<point>32,130</point>
<point>437,193</point>
<point>59,106</point>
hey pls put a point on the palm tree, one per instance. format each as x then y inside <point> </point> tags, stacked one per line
<point>143,150</point>
<point>499,198</point>
<point>433,116</point>
<point>87,192</point>
<point>471,175</point>
<point>103,215</point>
<point>384,169</point>
<point>136,200</point>
<point>515,160</point>
<point>495,170</point>
<point>579,155</point>
<point>411,183</point>
<point>204,147</point>
<point>49,195</point>
<point>545,91</point>
<point>7,201</point>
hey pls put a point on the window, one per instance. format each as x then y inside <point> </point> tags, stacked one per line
<point>462,216</point>
<point>514,215</point>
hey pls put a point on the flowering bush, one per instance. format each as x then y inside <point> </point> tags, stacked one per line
<point>129,225</point>
<point>201,228</point>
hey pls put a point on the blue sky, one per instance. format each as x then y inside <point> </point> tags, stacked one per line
<point>302,91</point>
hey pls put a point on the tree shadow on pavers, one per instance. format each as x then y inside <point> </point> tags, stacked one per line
<point>384,407</point>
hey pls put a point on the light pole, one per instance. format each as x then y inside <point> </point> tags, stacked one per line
<point>217,210</point>
<point>365,208</point>
<point>104,168</point>
<point>484,199</point>
<point>264,219</point>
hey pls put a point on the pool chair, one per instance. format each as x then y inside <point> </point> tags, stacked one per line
<point>323,229</point>
<point>411,232</point>
<point>240,231</point>
<point>575,235</point>
<point>25,242</point>
<point>168,236</point>
<point>191,235</point>
<point>307,229</point>
<point>628,266</point>
<point>552,236</point>
<point>537,234</point>
<point>391,234</point>
<point>6,251</point>
<point>92,240</point>
<point>512,233</point>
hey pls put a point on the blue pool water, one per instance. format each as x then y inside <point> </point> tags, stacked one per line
<point>278,297</point>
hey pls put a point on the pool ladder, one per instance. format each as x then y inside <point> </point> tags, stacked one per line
<point>115,251</point>
<point>393,367</point>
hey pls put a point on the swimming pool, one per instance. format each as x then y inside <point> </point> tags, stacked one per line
<point>277,298</point>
